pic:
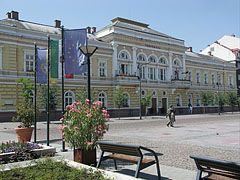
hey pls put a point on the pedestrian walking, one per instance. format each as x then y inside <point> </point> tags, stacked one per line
<point>190,109</point>
<point>171,115</point>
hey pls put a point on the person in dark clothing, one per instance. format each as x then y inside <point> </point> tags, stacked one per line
<point>171,115</point>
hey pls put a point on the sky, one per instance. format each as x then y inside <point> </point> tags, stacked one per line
<point>198,22</point>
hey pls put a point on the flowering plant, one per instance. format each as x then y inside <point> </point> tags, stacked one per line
<point>83,124</point>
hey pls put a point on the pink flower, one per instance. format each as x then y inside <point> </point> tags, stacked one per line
<point>77,128</point>
<point>61,119</point>
<point>90,143</point>
<point>87,101</point>
<point>89,115</point>
<point>104,110</point>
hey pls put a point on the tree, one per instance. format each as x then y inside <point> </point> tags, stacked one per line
<point>119,100</point>
<point>52,96</point>
<point>207,99</point>
<point>232,99</point>
<point>27,89</point>
<point>146,101</point>
<point>220,99</point>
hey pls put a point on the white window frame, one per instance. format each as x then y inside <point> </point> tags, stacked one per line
<point>126,53</point>
<point>178,99</point>
<point>178,64</point>
<point>205,77</point>
<point>103,98</point>
<point>67,96</point>
<point>143,72</point>
<point>144,56</point>
<point>219,78</point>
<point>30,53</point>
<point>151,73</point>
<point>127,68</point>
<point>190,75</point>
<point>230,80</point>
<point>162,74</point>
<point>198,101</point>
<point>154,56</point>
<point>164,58</point>
<point>128,99</point>
<point>198,77</point>
<point>213,78</point>
<point>104,62</point>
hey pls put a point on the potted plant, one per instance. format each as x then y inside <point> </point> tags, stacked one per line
<point>25,111</point>
<point>83,124</point>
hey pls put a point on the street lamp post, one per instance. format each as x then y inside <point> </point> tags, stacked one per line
<point>88,51</point>
<point>140,96</point>
<point>218,99</point>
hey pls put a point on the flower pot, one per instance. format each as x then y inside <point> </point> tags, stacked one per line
<point>87,157</point>
<point>24,134</point>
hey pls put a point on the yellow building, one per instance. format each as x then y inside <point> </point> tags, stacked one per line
<point>126,49</point>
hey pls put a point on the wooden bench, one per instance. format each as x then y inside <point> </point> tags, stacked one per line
<point>216,169</point>
<point>128,153</point>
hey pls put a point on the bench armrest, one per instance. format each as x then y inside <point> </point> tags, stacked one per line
<point>150,150</point>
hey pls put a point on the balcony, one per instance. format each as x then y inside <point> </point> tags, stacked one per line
<point>181,82</point>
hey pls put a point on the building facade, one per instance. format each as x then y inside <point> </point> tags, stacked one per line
<point>126,51</point>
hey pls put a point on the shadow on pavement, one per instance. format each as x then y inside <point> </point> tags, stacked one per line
<point>142,175</point>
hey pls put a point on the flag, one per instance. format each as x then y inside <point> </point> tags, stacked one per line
<point>75,61</point>
<point>54,59</point>
<point>42,66</point>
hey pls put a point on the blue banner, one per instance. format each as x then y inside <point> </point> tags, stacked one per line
<point>42,66</point>
<point>75,61</point>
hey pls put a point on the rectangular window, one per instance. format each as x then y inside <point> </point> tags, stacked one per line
<point>162,74</point>
<point>125,69</point>
<point>205,78</point>
<point>29,62</point>
<point>213,79</point>
<point>190,76</point>
<point>152,73</point>
<point>102,69</point>
<point>219,79</point>
<point>198,77</point>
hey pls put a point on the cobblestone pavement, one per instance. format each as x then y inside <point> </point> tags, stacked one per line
<point>211,135</point>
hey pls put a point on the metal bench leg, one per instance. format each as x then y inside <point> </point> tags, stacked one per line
<point>158,169</point>
<point>115,164</point>
<point>100,159</point>
<point>138,167</point>
<point>199,174</point>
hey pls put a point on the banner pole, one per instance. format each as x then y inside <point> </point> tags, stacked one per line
<point>63,109</point>
<point>48,122</point>
<point>35,95</point>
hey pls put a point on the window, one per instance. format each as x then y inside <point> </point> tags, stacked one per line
<point>123,54</point>
<point>162,74</point>
<point>143,72</point>
<point>28,61</point>
<point>69,98</point>
<point>176,62</point>
<point>152,59</point>
<point>126,100</point>
<point>124,68</point>
<point>141,57</point>
<point>198,77</point>
<point>189,75</point>
<point>151,73</point>
<point>162,60</point>
<point>102,98</point>
<point>189,99</point>
<point>102,69</point>
<point>213,78</point>
<point>205,78</point>
<point>176,74</point>
<point>198,100</point>
<point>230,81</point>
<point>178,100</point>
<point>219,79</point>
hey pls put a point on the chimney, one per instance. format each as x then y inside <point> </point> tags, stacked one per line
<point>8,15</point>
<point>14,15</point>
<point>233,35</point>
<point>190,49</point>
<point>88,29</point>
<point>209,53</point>
<point>94,29</point>
<point>57,23</point>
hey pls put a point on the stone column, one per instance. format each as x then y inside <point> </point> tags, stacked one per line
<point>134,58</point>
<point>114,59</point>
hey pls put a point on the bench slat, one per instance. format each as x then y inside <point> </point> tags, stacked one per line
<point>131,159</point>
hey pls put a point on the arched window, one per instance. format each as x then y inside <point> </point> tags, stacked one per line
<point>178,100</point>
<point>126,102</point>
<point>124,54</point>
<point>103,98</point>
<point>68,98</point>
<point>162,60</point>
<point>176,62</point>
<point>152,59</point>
<point>141,57</point>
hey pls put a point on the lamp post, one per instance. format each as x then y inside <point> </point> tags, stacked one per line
<point>88,51</point>
<point>218,99</point>
<point>140,96</point>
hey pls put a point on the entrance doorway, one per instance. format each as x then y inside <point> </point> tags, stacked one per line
<point>164,105</point>
<point>154,106</point>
